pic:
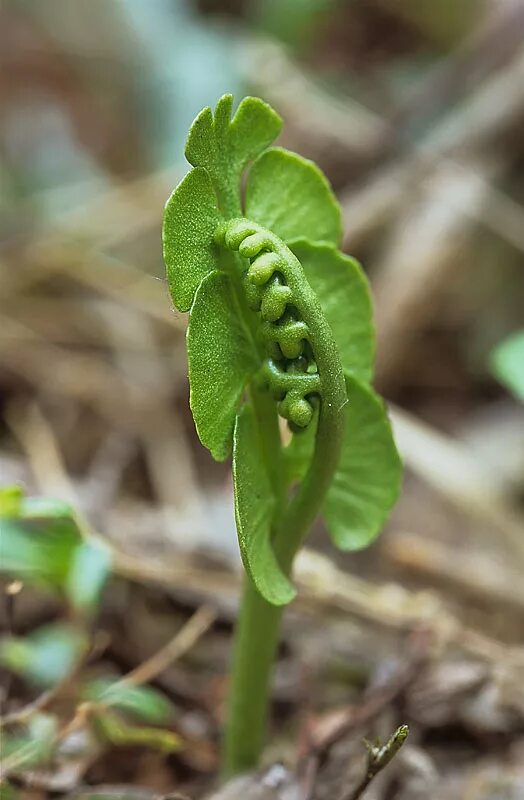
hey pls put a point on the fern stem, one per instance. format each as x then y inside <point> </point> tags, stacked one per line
<point>256,640</point>
<point>258,626</point>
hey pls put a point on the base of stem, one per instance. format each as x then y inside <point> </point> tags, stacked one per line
<point>256,642</point>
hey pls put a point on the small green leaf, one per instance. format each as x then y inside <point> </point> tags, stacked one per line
<point>42,544</point>
<point>222,118</point>
<point>30,747</point>
<point>88,571</point>
<point>48,508</point>
<point>46,656</point>
<point>115,730</point>
<point>507,363</point>
<point>38,550</point>
<point>290,196</point>
<point>368,478</point>
<point>223,146</point>
<point>200,145</point>
<point>190,221</point>
<point>342,288</point>
<point>253,128</point>
<point>142,701</point>
<point>254,506</point>
<point>222,358</point>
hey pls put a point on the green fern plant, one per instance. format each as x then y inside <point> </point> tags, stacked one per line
<point>280,326</point>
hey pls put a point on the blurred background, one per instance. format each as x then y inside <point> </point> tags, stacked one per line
<point>415,111</point>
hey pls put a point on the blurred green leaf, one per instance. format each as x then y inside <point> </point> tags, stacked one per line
<point>368,478</point>
<point>30,747</point>
<point>46,656</point>
<point>38,550</point>
<point>46,508</point>
<point>115,730</point>
<point>222,357</point>
<point>343,291</point>
<point>507,364</point>
<point>42,544</point>
<point>290,196</point>
<point>89,568</point>
<point>142,701</point>
<point>10,501</point>
<point>254,506</point>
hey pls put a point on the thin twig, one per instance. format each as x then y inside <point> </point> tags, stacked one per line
<point>338,725</point>
<point>324,586</point>
<point>23,714</point>
<point>335,726</point>
<point>180,644</point>
<point>379,756</point>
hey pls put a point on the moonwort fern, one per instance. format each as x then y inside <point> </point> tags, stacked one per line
<point>280,326</point>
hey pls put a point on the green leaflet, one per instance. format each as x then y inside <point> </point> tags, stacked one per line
<point>507,363</point>
<point>44,508</point>
<point>367,481</point>
<point>222,358</point>
<point>89,569</point>
<point>45,656</point>
<point>290,196</point>
<point>224,146</point>
<point>110,726</point>
<point>343,291</point>
<point>254,506</point>
<point>143,702</point>
<point>29,747</point>
<point>43,545</point>
<point>190,221</point>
